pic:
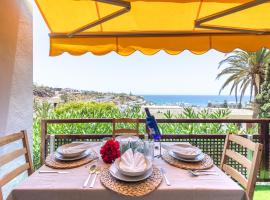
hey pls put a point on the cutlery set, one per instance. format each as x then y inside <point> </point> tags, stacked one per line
<point>194,173</point>
<point>92,170</point>
<point>95,170</point>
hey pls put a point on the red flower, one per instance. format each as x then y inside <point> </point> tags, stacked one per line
<point>110,151</point>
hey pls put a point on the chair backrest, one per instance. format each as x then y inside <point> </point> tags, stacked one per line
<point>4,159</point>
<point>122,131</point>
<point>252,165</point>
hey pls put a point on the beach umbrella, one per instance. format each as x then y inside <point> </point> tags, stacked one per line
<point>125,26</point>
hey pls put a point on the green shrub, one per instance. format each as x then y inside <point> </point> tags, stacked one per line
<point>109,110</point>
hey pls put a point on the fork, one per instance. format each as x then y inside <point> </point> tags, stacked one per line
<point>98,170</point>
<point>194,173</point>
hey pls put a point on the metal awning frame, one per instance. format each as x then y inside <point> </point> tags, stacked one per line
<point>199,23</point>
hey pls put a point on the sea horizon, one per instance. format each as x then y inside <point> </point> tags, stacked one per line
<point>192,100</point>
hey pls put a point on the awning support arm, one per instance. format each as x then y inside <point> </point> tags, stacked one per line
<point>199,23</point>
<point>126,8</point>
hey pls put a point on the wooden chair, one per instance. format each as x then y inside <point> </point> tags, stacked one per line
<point>4,159</point>
<point>122,131</point>
<point>252,166</point>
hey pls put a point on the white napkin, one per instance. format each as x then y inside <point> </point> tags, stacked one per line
<point>182,149</point>
<point>78,147</point>
<point>132,162</point>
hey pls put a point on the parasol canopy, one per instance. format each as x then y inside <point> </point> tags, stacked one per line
<point>125,26</point>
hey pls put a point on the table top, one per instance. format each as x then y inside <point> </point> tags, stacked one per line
<point>183,186</point>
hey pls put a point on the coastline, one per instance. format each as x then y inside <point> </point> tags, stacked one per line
<point>159,110</point>
<point>158,104</point>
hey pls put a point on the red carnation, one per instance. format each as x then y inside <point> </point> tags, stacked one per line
<point>110,151</point>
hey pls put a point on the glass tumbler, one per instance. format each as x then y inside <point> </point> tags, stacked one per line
<point>149,148</point>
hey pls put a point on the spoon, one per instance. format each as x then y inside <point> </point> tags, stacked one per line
<point>98,170</point>
<point>92,170</point>
<point>196,173</point>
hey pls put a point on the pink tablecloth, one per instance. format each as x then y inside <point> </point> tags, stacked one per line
<point>183,187</point>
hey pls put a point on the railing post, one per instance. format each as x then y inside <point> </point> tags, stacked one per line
<point>264,139</point>
<point>43,133</point>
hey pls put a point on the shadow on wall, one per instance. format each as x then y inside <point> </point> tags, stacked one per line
<point>9,21</point>
<point>16,65</point>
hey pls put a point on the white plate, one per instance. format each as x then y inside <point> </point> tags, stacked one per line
<point>62,158</point>
<point>187,156</point>
<point>196,159</point>
<point>116,174</point>
<point>76,153</point>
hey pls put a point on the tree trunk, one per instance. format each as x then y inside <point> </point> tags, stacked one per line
<point>256,109</point>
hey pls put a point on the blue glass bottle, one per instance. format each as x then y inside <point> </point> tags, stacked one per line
<point>152,125</point>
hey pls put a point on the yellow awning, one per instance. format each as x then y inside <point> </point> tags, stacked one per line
<point>102,26</point>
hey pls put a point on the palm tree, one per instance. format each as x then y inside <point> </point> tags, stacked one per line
<point>244,70</point>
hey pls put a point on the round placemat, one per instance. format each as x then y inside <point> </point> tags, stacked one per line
<point>52,162</point>
<point>135,189</point>
<point>206,163</point>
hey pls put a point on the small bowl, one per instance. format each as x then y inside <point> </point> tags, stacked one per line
<point>70,155</point>
<point>139,173</point>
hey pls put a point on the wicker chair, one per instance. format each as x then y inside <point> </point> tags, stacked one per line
<point>252,166</point>
<point>4,159</point>
<point>122,131</point>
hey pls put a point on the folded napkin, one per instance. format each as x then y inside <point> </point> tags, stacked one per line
<point>132,162</point>
<point>182,149</point>
<point>76,147</point>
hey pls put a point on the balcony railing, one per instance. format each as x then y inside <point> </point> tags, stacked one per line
<point>211,144</point>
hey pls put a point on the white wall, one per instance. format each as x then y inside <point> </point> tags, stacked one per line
<point>16,66</point>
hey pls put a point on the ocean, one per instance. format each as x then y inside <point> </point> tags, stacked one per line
<point>191,100</point>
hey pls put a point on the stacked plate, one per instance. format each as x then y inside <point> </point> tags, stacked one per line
<point>185,152</point>
<point>131,167</point>
<point>73,151</point>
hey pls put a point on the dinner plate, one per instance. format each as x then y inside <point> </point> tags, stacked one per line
<point>62,158</point>
<point>195,151</point>
<point>116,174</point>
<point>196,159</point>
<point>76,153</point>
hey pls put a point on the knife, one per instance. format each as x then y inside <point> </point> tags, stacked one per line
<point>52,172</point>
<point>165,177</point>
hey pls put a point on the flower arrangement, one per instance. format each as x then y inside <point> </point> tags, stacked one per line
<point>110,151</point>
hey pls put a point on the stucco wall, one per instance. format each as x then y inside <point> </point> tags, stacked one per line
<point>16,64</point>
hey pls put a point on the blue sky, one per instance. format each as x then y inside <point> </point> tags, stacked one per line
<point>185,73</point>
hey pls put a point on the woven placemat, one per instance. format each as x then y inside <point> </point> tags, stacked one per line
<point>206,163</point>
<point>136,189</point>
<point>52,162</point>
